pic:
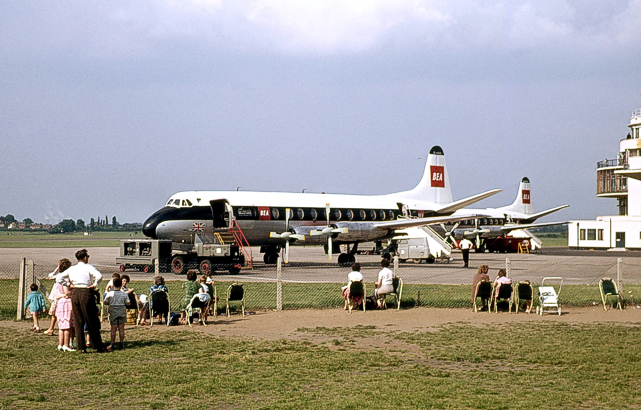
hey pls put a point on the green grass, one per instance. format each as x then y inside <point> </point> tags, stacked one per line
<point>327,295</point>
<point>546,365</point>
<point>25,239</point>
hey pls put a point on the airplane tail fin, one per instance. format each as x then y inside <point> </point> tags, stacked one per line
<point>435,184</point>
<point>523,202</point>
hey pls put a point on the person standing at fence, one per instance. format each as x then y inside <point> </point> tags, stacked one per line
<point>84,279</point>
<point>64,312</point>
<point>36,304</point>
<point>465,245</point>
<point>63,265</point>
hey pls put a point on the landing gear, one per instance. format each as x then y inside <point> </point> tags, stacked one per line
<point>346,259</point>
<point>178,265</point>
<point>270,258</point>
<point>234,270</point>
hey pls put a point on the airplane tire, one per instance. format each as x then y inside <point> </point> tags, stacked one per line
<point>178,265</point>
<point>346,259</point>
<point>270,258</point>
<point>430,260</point>
<point>205,267</point>
<point>122,268</point>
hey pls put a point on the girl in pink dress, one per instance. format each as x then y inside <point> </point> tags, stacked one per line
<point>65,318</point>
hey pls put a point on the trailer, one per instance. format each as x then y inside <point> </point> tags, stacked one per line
<point>205,254</point>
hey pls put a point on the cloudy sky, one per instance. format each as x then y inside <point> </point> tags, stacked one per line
<point>108,108</point>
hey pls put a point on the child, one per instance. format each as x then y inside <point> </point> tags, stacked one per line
<point>65,318</point>
<point>118,302</point>
<point>110,285</point>
<point>63,265</point>
<point>36,303</point>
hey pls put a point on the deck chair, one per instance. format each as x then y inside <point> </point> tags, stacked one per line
<point>159,305</point>
<point>197,305</point>
<point>524,292</point>
<point>483,291</point>
<point>213,303</point>
<point>133,305</point>
<point>236,293</point>
<point>609,288</point>
<point>356,290</point>
<point>506,292</point>
<point>397,283</point>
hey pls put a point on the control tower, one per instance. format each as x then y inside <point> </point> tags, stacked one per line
<point>618,178</point>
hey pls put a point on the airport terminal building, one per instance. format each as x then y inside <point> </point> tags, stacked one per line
<point>620,179</point>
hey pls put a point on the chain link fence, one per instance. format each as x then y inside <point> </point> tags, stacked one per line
<point>317,285</point>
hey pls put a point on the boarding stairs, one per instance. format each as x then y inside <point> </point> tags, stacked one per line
<point>535,243</point>
<point>234,235</point>
<point>439,248</point>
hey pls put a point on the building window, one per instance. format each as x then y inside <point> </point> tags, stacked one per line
<point>591,234</point>
<point>600,234</point>
<point>582,234</point>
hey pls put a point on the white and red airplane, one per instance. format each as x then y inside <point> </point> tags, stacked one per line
<point>272,220</point>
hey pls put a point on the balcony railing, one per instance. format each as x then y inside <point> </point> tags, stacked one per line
<point>610,183</point>
<point>610,163</point>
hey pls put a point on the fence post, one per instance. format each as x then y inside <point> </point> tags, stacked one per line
<point>396,265</point>
<point>279,285</point>
<point>21,280</point>
<point>508,268</point>
<point>619,261</point>
<point>156,267</point>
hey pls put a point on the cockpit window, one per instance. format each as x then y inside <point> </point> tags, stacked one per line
<point>170,202</point>
<point>188,202</point>
<point>177,202</point>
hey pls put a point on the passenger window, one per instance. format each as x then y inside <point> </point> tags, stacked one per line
<point>300,213</point>
<point>390,214</point>
<point>313,213</point>
<point>372,215</point>
<point>349,214</point>
<point>381,214</point>
<point>337,214</point>
<point>362,214</point>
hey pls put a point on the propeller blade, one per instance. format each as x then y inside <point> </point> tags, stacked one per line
<point>327,212</point>
<point>297,236</point>
<point>329,247</point>
<point>340,230</point>
<point>274,235</point>
<point>287,251</point>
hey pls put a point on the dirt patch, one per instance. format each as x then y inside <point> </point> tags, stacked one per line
<point>288,324</point>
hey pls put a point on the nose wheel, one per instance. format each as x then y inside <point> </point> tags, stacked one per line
<point>346,259</point>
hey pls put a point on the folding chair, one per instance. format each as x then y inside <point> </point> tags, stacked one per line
<point>505,292</point>
<point>196,305</point>
<point>235,293</point>
<point>524,292</point>
<point>609,288</point>
<point>159,305</point>
<point>213,303</point>
<point>397,283</point>
<point>133,305</point>
<point>484,291</point>
<point>356,290</point>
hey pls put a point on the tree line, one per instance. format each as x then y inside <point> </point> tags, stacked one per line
<point>69,225</point>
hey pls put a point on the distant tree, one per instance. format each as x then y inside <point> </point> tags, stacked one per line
<point>28,222</point>
<point>9,218</point>
<point>106,219</point>
<point>114,223</point>
<point>80,225</point>
<point>66,225</point>
<point>92,224</point>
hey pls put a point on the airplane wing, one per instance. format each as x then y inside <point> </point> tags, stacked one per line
<point>514,227</point>
<point>538,215</point>
<point>409,223</point>
<point>454,206</point>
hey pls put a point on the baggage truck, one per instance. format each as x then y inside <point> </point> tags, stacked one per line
<point>205,255</point>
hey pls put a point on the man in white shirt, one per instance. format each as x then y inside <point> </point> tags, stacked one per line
<point>84,279</point>
<point>465,245</point>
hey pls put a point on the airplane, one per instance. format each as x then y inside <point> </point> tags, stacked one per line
<point>273,220</point>
<point>499,221</point>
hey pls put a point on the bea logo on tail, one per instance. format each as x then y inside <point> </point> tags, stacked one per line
<point>438,179</point>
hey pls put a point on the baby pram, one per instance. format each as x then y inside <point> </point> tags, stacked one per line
<point>548,296</point>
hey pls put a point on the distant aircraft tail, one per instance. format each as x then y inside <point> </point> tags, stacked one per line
<point>523,202</point>
<point>435,185</point>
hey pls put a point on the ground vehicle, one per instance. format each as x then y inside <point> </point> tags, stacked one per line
<point>504,244</point>
<point>206,254</point>
<point>416,249</point>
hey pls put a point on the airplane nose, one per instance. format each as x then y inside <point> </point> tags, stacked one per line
<point>149,228</point>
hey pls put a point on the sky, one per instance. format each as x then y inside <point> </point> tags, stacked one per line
<point>108,108</point>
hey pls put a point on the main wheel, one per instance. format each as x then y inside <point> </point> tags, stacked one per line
<point>270,258</point>
<point>346,259</point>
<point>178,265</point>
<point>122,268</point>
<point>430,260</point>
<point>205,267</point>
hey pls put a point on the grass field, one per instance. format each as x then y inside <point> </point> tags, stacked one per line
<point>25,239</point>
<point>543,365</point>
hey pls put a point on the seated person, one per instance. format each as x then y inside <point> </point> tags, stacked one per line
<point>133,298</point>
<point>110,285</point>
<point>479,276</point>
<point>190,288</point>
<point>354,276</point>
<point>501,279</point>
<point>384,284</point>
<point>159,284</point>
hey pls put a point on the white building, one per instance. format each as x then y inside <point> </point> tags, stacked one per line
<point>618,178</point>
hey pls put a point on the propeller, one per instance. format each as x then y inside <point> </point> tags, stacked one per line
<point>287,235</point>
<point>449,235</point>
<point>478,232</point>
<point>328,231</point>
